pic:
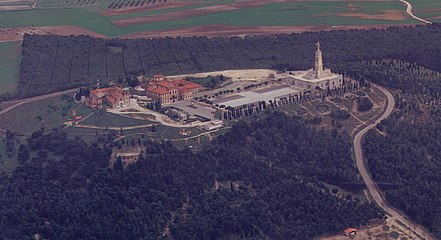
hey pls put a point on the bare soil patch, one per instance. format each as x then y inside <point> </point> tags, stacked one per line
<point>175,15</point>
<point>225,30</point>
<point>157,6</point>
<point>351,7</point>
<point>197,12</point>
<point>15,7</point>
<point>16,34</point>
<point>394,15</point>
<point>256,3</point>
<point>428,10</point>
<point>433,18</point>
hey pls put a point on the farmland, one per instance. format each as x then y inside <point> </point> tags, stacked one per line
<point>184,14</point>
<point>427,9</point>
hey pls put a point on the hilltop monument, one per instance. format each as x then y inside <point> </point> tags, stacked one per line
<point>318,66</point>
<point>318,77</point>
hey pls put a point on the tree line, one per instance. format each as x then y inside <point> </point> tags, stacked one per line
<point>52,63</point>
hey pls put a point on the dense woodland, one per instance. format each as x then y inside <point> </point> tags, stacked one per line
<point>269,173</point>
<point>274,162</point>
<point>52,63</point>
<point>404,153</point>
<point>410,78</point>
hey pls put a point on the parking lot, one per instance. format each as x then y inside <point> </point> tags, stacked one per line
<point>195,109</point>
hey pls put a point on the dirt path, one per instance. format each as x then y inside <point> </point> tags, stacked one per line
<point>17,103</point>
<point>409,11</point>
<point>372,187</point>
<point>160,118</point>
<point>112,128</point>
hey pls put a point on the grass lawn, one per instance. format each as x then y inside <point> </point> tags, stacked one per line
<point>47,114</point>
<point>10,57</point>
<point>104,119</point>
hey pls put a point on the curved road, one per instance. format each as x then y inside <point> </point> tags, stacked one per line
<point>372,187</point>
<point>409,11</point>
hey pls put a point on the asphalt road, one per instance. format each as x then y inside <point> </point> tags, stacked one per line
<point>372,187</point>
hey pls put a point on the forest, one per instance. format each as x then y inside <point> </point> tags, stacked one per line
<point>403,153</point>
<point>53,63</point>
<point>262,180</point>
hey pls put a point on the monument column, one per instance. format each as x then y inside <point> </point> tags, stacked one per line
<point>318,67</point>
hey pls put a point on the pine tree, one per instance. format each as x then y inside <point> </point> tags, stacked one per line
<point>118,165</point>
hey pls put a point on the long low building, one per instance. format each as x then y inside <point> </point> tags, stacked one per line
<point>250,97</point>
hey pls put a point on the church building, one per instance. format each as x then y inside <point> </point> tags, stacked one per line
<point>318,77</point>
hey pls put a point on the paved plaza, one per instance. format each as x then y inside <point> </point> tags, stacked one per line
<point>249,97</point>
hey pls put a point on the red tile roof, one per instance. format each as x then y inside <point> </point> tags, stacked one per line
<point>349,230</point>
<point>157,90</point>
<point>167,84</point>
<point>163,87</point>
<point>187,84</point>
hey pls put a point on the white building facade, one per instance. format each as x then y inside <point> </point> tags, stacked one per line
<point>316,78</point>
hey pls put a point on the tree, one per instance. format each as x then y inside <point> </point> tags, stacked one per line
<point>118,165</point>
<point>364,104</point>
<point>23,153</point>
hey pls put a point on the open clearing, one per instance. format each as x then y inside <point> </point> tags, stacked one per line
<point>47,114</point>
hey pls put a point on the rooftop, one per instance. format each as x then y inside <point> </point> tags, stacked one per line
<point>349,230</point>
<point>249,97</point>
<point>309,76</point>
<point>157,90</point>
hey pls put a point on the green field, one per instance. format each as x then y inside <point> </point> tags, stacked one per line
<point>294,14</point>
<point>10,57</point>
<point>104,119</point>
<point>421,5</point>
<point>47,114</point>
<point>425,4</point>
